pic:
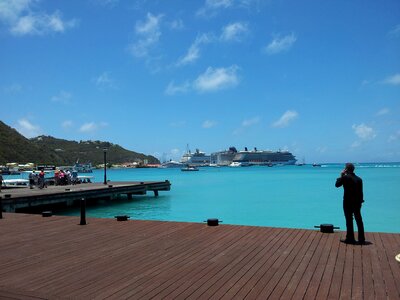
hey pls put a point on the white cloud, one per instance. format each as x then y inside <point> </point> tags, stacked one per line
<point>394,137</point>
<point>219,3</point>
<point>286,119</point>
<point>278,45</point>
<point>177,24</point>
<point>28,129</point>
<point>211,7</point>
<point>364,132</point>
<point>10,10</point>
<point>209,124</point>
<point>173,89</point>
<point>106,3</point>
<point>173,154</point>
<point>149,33</point>
<point>356,144</point>
<point>104,81</point>
<point>67,124</point>
<point>234,32</point>
<point>90,127</point>
<point>383,111</point>
<point>21,19</point>
<point>321,149</point>
<point>393,80</point>
<point>193,52</point>
<point>395,32</point>
<point>216,79</point>
<point>62,97</point>
<point>251,122</point>
<point>178,124</point>
<point>247,123</point>
<point>12,89</point>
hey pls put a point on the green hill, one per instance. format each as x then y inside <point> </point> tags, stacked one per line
<point>49,150</point>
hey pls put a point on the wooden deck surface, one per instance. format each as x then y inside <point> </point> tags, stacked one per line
<point>54,258</point>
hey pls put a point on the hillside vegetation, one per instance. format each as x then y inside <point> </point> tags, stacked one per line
<point>49,150</point>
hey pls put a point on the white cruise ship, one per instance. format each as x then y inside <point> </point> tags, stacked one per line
<point>264,157</point>
<point>197,158</point>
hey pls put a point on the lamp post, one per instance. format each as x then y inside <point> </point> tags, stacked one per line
<point>105,165</point>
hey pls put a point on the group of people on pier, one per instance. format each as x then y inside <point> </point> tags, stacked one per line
<point>61,177</point>
<point>67,177</point>
<point>37,179</point>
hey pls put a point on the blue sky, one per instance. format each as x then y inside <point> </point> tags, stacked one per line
<point>318,78</point>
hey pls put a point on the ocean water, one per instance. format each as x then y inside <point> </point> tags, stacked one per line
<point>282,196</point>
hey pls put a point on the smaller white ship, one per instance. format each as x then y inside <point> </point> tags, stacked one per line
<point>15,183</point>
<point>189,168</point>
<point>172,164</point>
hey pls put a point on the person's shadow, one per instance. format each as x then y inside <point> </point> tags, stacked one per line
<point>366,243</point>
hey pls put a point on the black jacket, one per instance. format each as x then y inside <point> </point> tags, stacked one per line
<point>353,188</point>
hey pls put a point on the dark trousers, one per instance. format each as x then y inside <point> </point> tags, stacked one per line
<point>349,211</point>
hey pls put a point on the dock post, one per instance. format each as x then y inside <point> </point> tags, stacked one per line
<point>83,212</point>
<point>1,207</point>
<point>155,193</point>
<point>129,196</point>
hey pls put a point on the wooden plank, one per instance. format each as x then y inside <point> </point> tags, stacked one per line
<point>318,271</point>
<point>287,284</point>
<point>270,273</point>
<point>377,274</point>
<point>326,281</point>
<point>389,280</point>
<point>357,286</point>
<point>234,277</point>
<point>347,276</point>
<point>242,277</point>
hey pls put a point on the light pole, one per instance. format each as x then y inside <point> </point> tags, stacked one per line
<point>105,165</point>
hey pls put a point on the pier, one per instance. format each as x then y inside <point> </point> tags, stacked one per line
<point>17,199</point>
<point>55,258</point>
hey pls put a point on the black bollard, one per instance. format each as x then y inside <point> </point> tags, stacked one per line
<point>1,207</point>
<point>83,212</point>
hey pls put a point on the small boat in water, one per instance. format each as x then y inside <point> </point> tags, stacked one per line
<point>15,183</point>
<point>190,168</point>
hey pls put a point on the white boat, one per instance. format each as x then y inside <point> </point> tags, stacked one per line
<point>190,168</point>
<point>235,164</point>
<point>15,183</point>
<point>83,168</point>
<point>171,164</point>
<point>84,179</point>
<point>214,165</point>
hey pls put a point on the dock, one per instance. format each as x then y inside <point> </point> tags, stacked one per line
<point>55,258</point>
<point>17,199</point>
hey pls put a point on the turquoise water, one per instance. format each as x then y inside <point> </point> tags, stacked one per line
<point>287,196</point>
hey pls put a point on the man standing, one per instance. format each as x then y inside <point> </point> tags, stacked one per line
<point>352,200</point>
<point>32,176</point>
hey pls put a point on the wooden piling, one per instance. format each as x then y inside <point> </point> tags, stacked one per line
<point>83,212</point>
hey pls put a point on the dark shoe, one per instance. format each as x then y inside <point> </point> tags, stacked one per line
<point>351,242</point>
<point>362,242</point>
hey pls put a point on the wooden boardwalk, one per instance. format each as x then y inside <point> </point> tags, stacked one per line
<point>15,199</point>
<point>54,258</point>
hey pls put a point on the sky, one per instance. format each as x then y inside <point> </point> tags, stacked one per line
<point>318,78</point>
